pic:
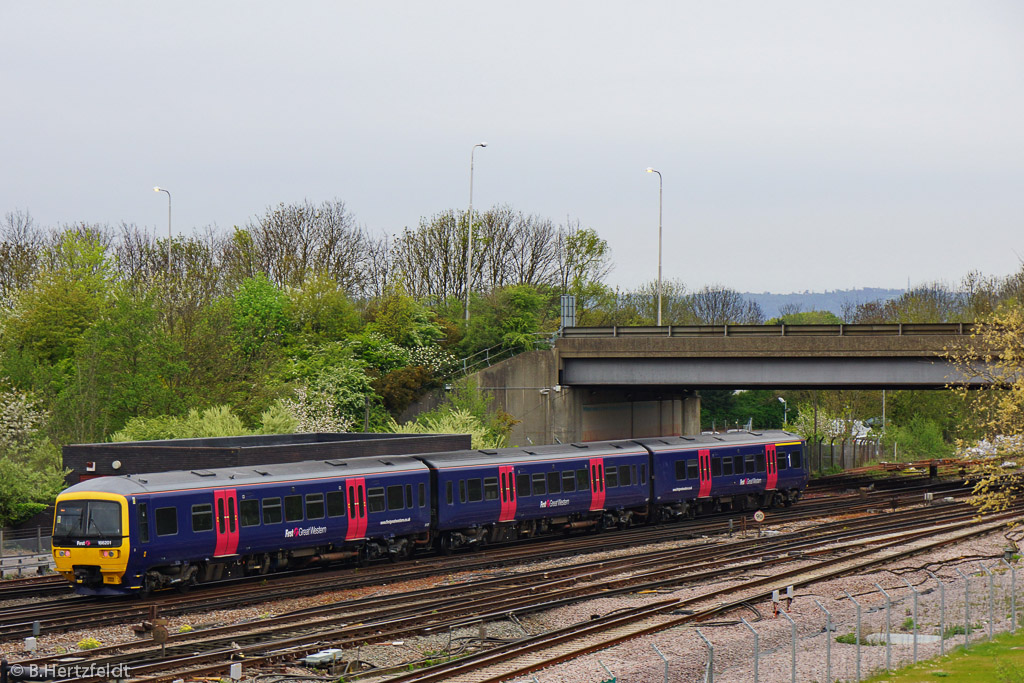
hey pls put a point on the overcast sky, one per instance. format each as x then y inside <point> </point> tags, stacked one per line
<point>804,145</point>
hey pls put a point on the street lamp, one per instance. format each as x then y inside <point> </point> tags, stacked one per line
<point>469,241</point>
<point>785,411</point>
<point>651,170</point>
<point>160,189</point>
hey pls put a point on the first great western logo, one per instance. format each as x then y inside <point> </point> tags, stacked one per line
<point>304,531</point>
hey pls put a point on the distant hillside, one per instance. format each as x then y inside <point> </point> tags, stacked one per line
<point>820,301</point>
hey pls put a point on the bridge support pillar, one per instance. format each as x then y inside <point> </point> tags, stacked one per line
<point>691,414</point>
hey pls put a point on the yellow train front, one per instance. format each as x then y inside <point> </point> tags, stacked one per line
<point>91,544</point>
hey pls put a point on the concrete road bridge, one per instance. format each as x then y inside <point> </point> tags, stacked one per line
<point>620,382</point>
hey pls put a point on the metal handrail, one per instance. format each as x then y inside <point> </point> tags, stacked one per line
<point>840,330</point>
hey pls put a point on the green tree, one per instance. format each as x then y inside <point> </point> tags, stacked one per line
<point>259,321</point>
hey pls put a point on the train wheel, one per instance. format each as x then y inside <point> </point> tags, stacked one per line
<point>148,586</point>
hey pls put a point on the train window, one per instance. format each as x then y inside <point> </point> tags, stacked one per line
<point>491,488</point>
<point>220,515</point>
<point>760,462</point>
<point>423,495</point>
<point>749,464</point>
<point>737,464</point>
<point>505,487</point>
<point>625,478</point>
<point>249,511</point>
<point>293,508</point>
<point>143,523</point>
<point>643,474</point>
<point>408,496</point>
<point>476,492</point>
<point>314,506</point>
<point>539,486</point>
<point>522,485</point>
<point>166,521</point>
<point>680,470</point>
<point>202,516</point>
<point>231,515</point>
<point>462,490</point>
<point>611,477</point>
<point>449,497</point>
<point>335,504</point>
<point>554,482</point>
<point>375,499</point>
<point>726,467</point>
<point>796,460</point>
<point>691,469</point>
<point>271,510</point>
<point>780,461</point>
<point>395,501</point>
<point>716,467</point>
<point>582,480</point>
<point>569,481</point>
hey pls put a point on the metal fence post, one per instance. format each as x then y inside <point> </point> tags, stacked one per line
<point>1013,595</point>
<point>664,659</point>
<point>756,648</point>
<point>611,676</point>
<point>793,666</point>
<point>942,613</point>
<point>828,642</point>
<point>854,601</point>
<point>967,608</point>
<point>709,676</point>
<point>911,587</point>
<point>991,601</point>
<point>888,626</point>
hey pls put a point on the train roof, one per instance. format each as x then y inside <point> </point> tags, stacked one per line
<point>738,438</point>
<point>155,482</point>
<point>484,457</point>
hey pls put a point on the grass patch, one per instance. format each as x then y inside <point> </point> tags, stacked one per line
<point>999,661</point>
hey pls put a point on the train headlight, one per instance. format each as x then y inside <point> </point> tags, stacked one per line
<point>110,553</point>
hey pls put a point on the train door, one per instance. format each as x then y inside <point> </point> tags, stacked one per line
<point>507,484</point>
<point>225,504</point>
<point>596,483</point>
<point>704,472</point>
<point>355,494</point>
<point>773,467</point>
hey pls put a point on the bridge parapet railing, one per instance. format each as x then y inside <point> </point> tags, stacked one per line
<point>841,330</point>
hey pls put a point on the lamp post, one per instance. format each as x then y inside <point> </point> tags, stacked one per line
<point>651,170</point>
<point>785,411</point>
<point>160,189</point>
<point>469,238</point>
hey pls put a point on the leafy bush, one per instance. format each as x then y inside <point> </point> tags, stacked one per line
<point>89,643</point>
<point>919,439</point>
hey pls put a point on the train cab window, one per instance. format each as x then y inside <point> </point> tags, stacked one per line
<point>611,477</point>
<point>727,467</point>
<point>491,488</point>
<point>449,496</point>
<point>781,461</point>
<point>395,501</point>
<point>522,485</point>
<point>314,506</point>
<point>202,517</point>
<point>625,475</point>
<point>271,510</point>
<point>716,467</point>
<point>796,460</point>
<point>554,482</point>
<point>476,491</point>
<point>760,462</point>
<point>423,495</point>
<point>249,512</point>
<point>680,470</point>
<point>335,503</point>
<point>293,508</point>
<point>692,469</point>
<point>166,521</point>
<point>376,500</point>
<point>568,481</point>
<point>143,523</point>
<point>539,484</point>
<point>749,464</point>
<point>582,480</point>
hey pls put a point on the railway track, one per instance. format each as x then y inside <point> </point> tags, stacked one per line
<point>302,632</point>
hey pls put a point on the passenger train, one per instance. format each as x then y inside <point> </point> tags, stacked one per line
<point>138,533</point>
